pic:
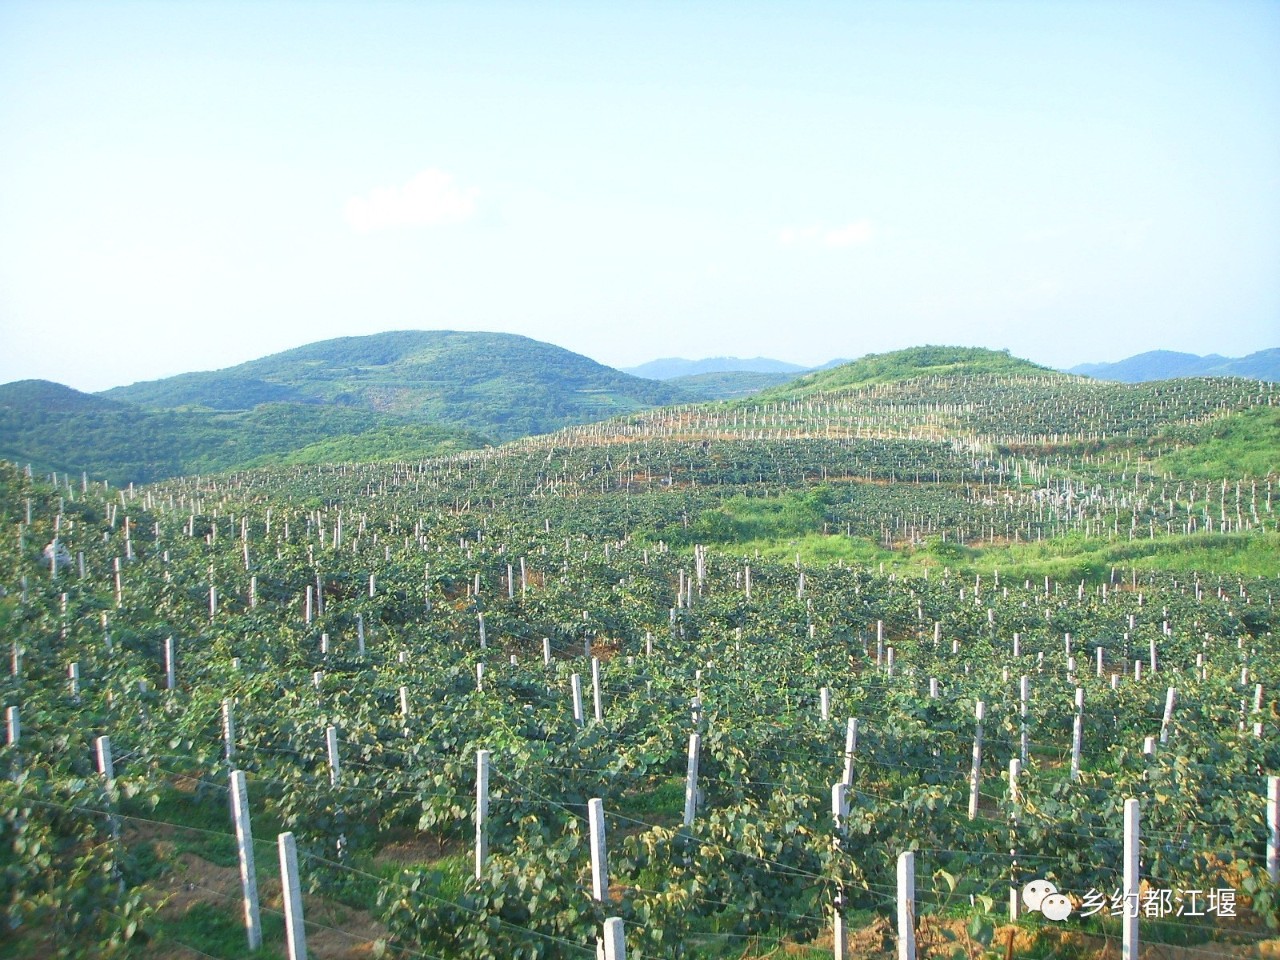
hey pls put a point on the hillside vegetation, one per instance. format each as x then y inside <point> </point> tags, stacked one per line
<point>55,428</point>
<point>694,620</point>
<point>496,384</point>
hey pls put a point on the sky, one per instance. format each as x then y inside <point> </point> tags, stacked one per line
<point>186,186</point>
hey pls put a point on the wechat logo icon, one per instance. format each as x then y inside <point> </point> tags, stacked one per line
<point>1041,896</point>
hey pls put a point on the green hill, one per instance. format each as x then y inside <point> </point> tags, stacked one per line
<point>916,362</point>
<point>54,427</point>
<point>498,384</point>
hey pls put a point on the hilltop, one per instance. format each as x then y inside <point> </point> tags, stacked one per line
<point>498,384</point>
<point>912,363</point>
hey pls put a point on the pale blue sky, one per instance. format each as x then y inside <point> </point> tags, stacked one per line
<point>189,185</point>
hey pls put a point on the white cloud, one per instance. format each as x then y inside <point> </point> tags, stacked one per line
<point>851,234</point>
<point>858,232</point>
<point>430,198</point>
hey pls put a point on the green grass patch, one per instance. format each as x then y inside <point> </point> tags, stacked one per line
<point>1244,444</point>
<point>216,929</point>
<point>663,799</point>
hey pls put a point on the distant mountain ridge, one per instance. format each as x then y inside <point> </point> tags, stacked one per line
<point>1170,365</point>
<point>669,368</point>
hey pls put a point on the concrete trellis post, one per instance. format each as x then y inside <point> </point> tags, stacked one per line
<point>360,634</point>
<point>295,932</point>
<point>1077,734</point>
<point>596,698</point>
<point>975,774</point>
<point>170,665</point>
<point>1015,800</point>
<point>850,749</point>
<point>331,744</point>
<point>482,810</point>
<point>824,704</point>
<point>839,814</point>
<point>73,680</point>
<point>107,768</point>
<point>244,847</point>
<point>691,780</point>
<point>1024,697</point>
<point>1132,852</point>
<point>1169,699</point>
<point>546,651</point>
<point>1273,829</point>
<point>906,905</point>
<point>575,687</point>
<point>228,731</point>
<point>615,942</point>
<point>599,864</point>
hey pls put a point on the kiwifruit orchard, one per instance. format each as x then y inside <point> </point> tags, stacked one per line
<point>834,671</point>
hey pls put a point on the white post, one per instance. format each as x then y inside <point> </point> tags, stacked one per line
<point>73,677</point>
<point>170,667</point>
<point>824,703</point>
<point>404,703</point>
<point>975,774</point>
<point>331,742</point>
<point>228,731</point>
<point>482,810</point>
<point>615,942</point>
<point>850,748</point>
<point>906,905</point>
<point>244,845</point>
<point>295,932</point>
<point>105,765</point>
<point>595,690</point>
<point>1015,771</point>
<point>13,727</point>
<point>1077,734</point>
<point>839,814</point>
<point>599,865</point>
<point>213,601</point>
<point>484,640</point>
<point>546,651</point>
<point>360,634</point>
<point>1132,849</point>
<point>691,780</point>
<point>1169,697</point>
<point>575,687</point>
<point>1273,829</point>
<point>1024,695</point>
